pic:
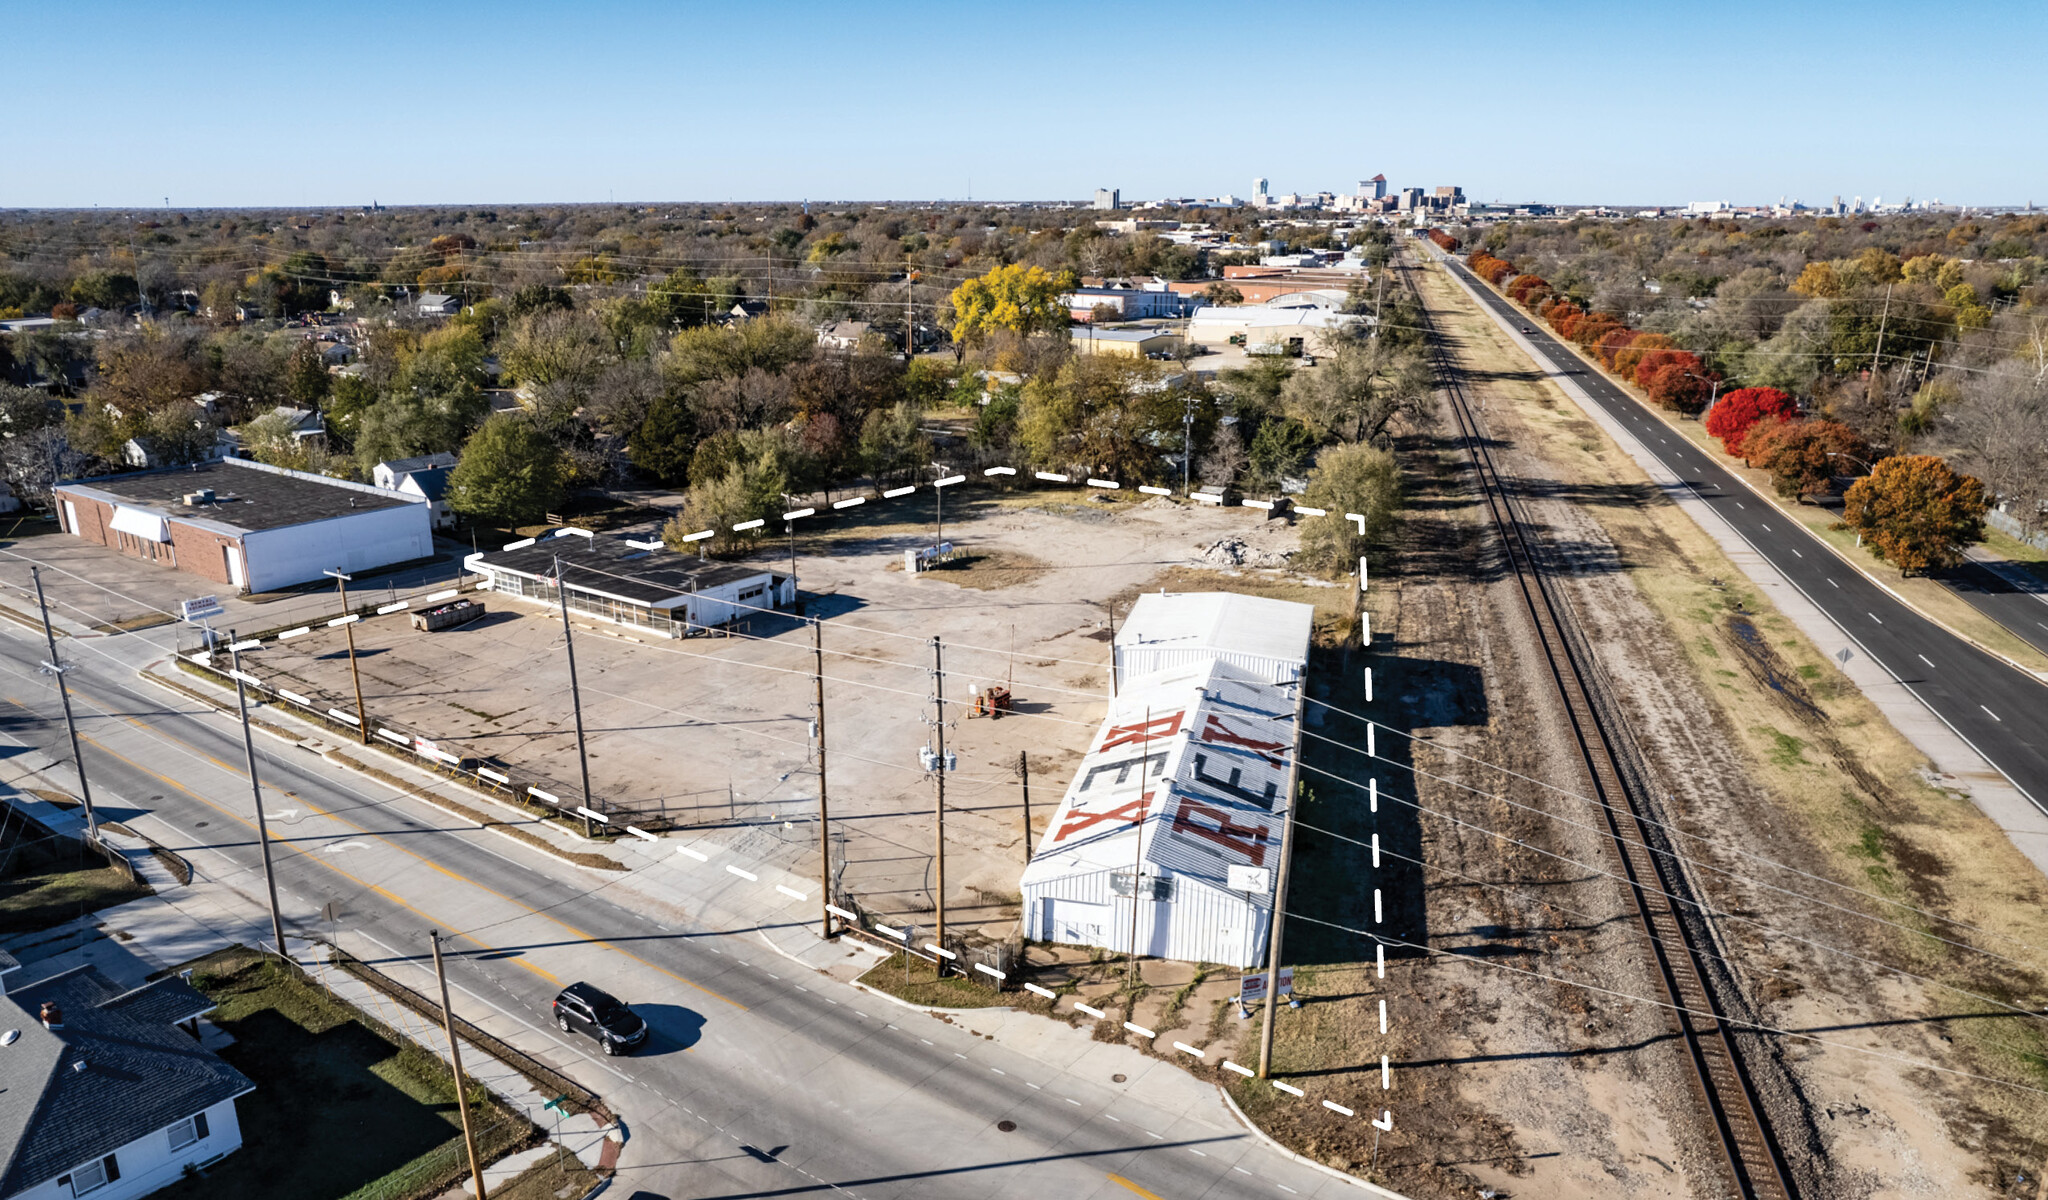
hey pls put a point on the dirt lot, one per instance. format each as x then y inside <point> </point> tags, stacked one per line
<point>1867,908</point>
<point>715,731</point>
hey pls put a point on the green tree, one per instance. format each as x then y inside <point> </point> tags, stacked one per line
<point>1016,299</point>
<point>893,447</point>
<point>1281,448</point>
<point>1916,512</point>
<point>745,491</point>
<point>1360,391</point>
<point>665,440</point>
<point>1362,479</point>
<point>510,473</point>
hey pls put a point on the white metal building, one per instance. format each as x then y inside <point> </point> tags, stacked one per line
<point>1169,836</point>
<point>1268,638</point>
<point>641,585</point>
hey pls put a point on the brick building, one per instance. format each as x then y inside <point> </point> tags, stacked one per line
<point>246,525</point>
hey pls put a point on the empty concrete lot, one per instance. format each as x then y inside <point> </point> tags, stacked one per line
<point>715,731</point>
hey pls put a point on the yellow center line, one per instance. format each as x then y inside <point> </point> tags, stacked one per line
<point>580,934</point>
<point>1120,1181</point>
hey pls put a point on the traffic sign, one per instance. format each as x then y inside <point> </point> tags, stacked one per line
<point>200,607</point>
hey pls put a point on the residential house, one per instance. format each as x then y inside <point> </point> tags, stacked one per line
<point>425,477</point>
<point>434,304</point>
<point>842,335</point>
<point>108,1093</point>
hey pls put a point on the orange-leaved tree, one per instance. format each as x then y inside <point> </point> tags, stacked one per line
<point>1802,456</point>
<point>1631,356</point>
<point>1916,512</point>
<point>1528,290</point>
<point>1738,411</point>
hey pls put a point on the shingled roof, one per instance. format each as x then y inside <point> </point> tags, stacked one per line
<point>119,1069</point>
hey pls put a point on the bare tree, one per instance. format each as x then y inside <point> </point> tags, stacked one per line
<point>2000,432</point>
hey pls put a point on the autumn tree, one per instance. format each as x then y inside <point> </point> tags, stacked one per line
<point>1737,411</point>
<point>746,490</point>
<point>1802,456</point>
<point>1016,298</point>
<point>1916,512</point>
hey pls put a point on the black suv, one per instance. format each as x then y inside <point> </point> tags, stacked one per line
<point>582,1008</point>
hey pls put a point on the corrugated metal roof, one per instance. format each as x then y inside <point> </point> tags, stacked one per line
<point>1186,773</point>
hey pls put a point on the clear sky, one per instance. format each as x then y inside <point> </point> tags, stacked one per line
<point>123,104</point>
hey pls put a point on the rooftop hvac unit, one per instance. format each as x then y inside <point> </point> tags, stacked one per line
<point>202,496</point>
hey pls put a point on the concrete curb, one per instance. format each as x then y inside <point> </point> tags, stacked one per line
<point>1310,1163</point>
<point>1771,499</point>
<point>899,1001</point>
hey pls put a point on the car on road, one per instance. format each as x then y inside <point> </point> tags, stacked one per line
<point>1526,329</point>
<point>583,1008</point>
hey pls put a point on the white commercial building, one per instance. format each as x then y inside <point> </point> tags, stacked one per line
<point>641,585</point>
<point>1169,837</point>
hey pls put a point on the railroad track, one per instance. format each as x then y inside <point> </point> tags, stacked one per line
<point>1725,1084</point>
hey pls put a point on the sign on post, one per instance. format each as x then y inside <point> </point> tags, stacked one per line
<point>198,608</point>
<point>1251,989</point>
<point>1241,878</point>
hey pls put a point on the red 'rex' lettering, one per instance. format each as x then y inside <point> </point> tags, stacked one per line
<point>1133,812</point>
<point>1214,730</point>
<point>1157,727</point>
<point>1249,840</point>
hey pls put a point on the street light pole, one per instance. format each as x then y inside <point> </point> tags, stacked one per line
<point>349,627</point>
<point>256,792</point>
<point>57,668</point>
<point>1187,443</point>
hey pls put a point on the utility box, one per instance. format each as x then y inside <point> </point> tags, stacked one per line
<point>447,616</point>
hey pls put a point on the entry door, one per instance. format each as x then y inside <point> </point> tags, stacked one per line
<point>70,518</point>
<point>236,576</point>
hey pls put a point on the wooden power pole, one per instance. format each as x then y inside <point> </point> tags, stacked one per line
<point>1273,942</point>
<point>476,1169</point>
<point>348,625</point>
<point>824,830</point>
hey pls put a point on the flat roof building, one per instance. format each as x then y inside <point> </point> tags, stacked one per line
<point>1130,343</point>
<point>640,585</point>
<point>247,525</point>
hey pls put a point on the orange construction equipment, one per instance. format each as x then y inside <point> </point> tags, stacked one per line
<point>992,702</point>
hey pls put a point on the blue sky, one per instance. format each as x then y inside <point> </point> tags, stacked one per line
<point>123,104</point>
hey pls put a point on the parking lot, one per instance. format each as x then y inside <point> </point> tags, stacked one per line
<point>715,731</point>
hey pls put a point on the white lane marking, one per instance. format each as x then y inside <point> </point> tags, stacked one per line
<point>1767,528</point>
<point>1872,616</point>
<point>1118,1120</point>
<point>1994,716</point>
<point>1833,584</point>
<point>1795,552</point>
<point>1155,1137</point>
<point>1925,659</point>
<point>957,1054</point>
<point>1740,504</point>
<point>1192,1150</point>
<point>926,1041</point>
<point>1290,1191</point>
<point>1034,1087</point>
<point>1240,1170</point>
<point>1072,1101</point>
<point>999,1070</point>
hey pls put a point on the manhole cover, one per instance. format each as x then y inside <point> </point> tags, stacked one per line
<point>202,824</point>
<point>156,797</point>
<point>1116,1079</point>
<point>1007,1126</point>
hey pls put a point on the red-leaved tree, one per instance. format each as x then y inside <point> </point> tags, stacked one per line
<point>1738,411</point>
<point>1631,356</point>
<point>1802,456</point>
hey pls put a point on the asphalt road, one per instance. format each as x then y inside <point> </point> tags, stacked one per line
<point>761,1079</point>
<point>1999,710</point>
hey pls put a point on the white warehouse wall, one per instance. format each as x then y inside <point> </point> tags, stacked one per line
<point>358,541</point>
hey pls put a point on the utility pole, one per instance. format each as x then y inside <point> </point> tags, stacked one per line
<point>1273,943</point>
<point>909,314</point>
<point>1024,783</point>
<point>789,527</point>
<point>256,792</point>
<point>575,693</point>
<point>1187,444</point>
<point>939,778</point>
<point>348,626</point>
<point>57,668</point>
<point>1111,605</point>
<point>1883,317</point>
<point>824,845</point>
<point>1138,853</point>
<point>476,1170</point>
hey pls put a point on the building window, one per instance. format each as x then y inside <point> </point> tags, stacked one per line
<point>92,1176</point>
<point>191,1129</point>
